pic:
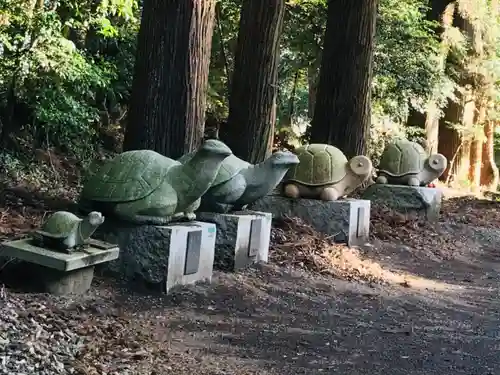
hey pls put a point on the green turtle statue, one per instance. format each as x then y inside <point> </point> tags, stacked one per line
<point>145,187</point>
<point>64,231</point>
<point>325,173</point>
<point>407,163</point>
<point>239,183</point>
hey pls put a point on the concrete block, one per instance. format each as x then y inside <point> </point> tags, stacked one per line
<point>72,282</point>
<point>407,199</point>
<point>59,273</point>
<point>346,220</point>
<point>162,257</point>
<point>242,238</point>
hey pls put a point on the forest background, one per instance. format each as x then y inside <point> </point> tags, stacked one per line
<point>67,72</point>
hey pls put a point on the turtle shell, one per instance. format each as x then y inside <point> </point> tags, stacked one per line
<point>229,168</point>
<point>401,158</point>
<point>320,164</point>
<point>129,176</point>
<point>60,224</point>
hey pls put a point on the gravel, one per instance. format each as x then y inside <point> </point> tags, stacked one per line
<point>33,340</point>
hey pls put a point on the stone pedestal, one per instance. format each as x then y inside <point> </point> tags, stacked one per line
<point>407,199</point>
<point>347,220</point>
<point>162,257</point>
<point>60,273</point>
<point>242,238</point>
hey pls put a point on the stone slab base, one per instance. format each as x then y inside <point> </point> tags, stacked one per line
<point>242,238</point>
<point>54,272</point>
<point>407,199</point>
<point>26,250</point>
<point>347,220</point>
<point>161,257</point>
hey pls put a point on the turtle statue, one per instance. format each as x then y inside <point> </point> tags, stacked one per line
<point>239,183</point>
<point>407,163</point>
<point>145,187</point>
<point>65,231</point>
<point>325,173</point>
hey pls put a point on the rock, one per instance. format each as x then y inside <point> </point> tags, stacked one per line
<point>161,256</point>
<point>406,199</point>
<point>242,238</point>
<point>347,220</point>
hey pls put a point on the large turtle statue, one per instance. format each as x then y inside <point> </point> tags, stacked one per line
<point>240,183</point>
<point>65,231</point>
<point>406,163</point>
<point>145,187</point>
<point>325,173</point>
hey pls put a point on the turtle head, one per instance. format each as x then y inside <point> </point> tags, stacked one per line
<point>361,166</point>
<point>214,147</point>
<point>437,163</point>
<point>95,218</point>
<point>285,159</point>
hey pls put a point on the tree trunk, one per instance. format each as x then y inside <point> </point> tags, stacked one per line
<point>312,81</point>
<point>454,144</point>
<point>489,174</point>
<point>343,113</point>
<point>167,105</point>
<point>450,143</point>
<point>252,102</point>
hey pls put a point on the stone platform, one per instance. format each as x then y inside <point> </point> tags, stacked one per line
<point>242,238</point>
<point>61,273</point>
<point>347,220</point>
<point>161,257</point>
<point>407,199</point>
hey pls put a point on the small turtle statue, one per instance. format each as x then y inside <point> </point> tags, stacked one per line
<point>65,231</point>
<point>145,187</point>
<point>325,173</point>
<point>240,183</point>
<point>406,163</point>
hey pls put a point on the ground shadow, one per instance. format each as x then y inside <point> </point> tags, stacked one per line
<point>291,322</point>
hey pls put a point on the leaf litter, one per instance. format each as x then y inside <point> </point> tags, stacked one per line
<point>295,243</point>
<point>39,336</point>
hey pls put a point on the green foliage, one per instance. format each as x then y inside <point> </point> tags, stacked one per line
<point>66,66</point>
<point>49,71</point>
<point>406,54</point>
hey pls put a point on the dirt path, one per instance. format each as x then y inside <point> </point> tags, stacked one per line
<point>272,320</point>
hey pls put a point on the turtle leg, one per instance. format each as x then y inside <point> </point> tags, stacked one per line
<point>413,181</point>
<point>382,180</point>
<point>189,211</point>
<point>291,191</point>
<point>329,194</point>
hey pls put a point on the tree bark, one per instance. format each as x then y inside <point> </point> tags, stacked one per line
<point>454,144</point>
<point>477,148</point>
<point>312,81</point>
<point>252,101</point>
<point>167,106</point>
<point>489,175</point>
<point>343,112</point>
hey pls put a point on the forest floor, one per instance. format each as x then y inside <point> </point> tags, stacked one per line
<point>419,299</point>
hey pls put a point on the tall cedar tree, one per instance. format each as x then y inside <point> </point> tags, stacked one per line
<point>252,103</point>
<point>167,107</point>
<point>342,113</point>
